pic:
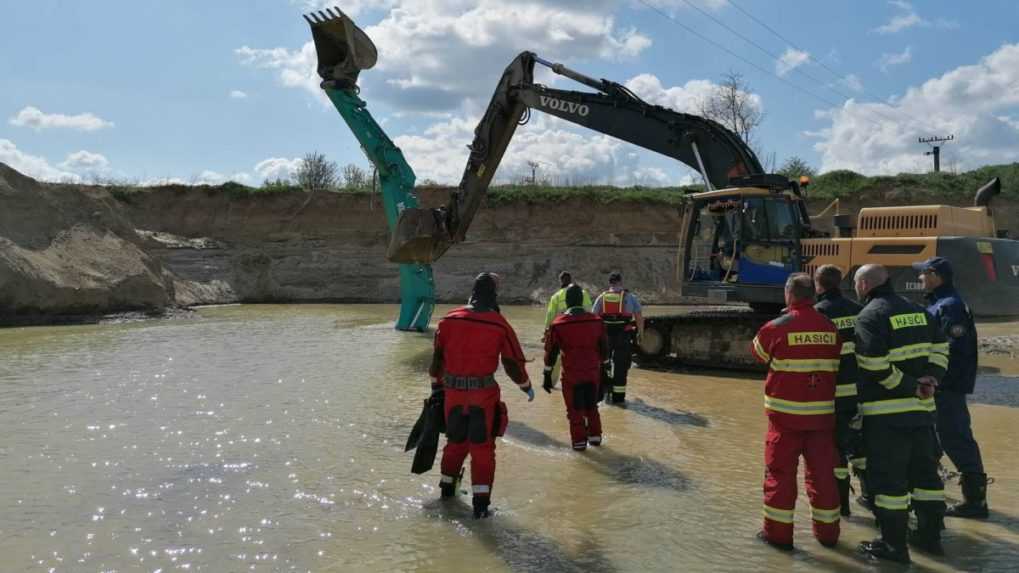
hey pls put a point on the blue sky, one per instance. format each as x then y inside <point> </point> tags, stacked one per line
<point>205,91</point>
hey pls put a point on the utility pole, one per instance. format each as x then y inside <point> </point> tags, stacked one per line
<point>936,151</point>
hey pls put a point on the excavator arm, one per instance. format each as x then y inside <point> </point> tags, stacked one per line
<point>343,51</point>
<point>704,145</point>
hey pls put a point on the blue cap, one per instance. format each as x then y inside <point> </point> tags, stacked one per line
<point>939,265</point>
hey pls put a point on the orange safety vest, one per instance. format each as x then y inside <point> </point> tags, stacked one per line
<point>613,309</point>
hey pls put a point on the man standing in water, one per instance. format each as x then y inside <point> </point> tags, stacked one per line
<point>842,312</point>
<point>953,421</point>
<point>469,342</point>
<point>901,354</point>
<point>620,310</point>
<point>582,339</point>
<point>801,349</point>
<point>556,306</point>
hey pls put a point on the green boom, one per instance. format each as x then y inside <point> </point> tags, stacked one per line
<point>417,288</point>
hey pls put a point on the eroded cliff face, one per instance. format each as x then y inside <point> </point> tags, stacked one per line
<point>68,250</point>
<point>71,250</point>
<point>331,247</point>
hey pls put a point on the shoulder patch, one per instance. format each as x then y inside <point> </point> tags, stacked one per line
<point>957,331</point>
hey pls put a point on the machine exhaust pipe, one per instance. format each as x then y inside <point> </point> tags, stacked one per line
<point>343,48</point>
<point>987,192</point>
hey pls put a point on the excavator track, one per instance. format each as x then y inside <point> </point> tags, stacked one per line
<point>710,337</point>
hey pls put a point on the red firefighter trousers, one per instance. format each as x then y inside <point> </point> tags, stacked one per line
<point>582,412</point>
<point>782,451</point>
<point>470,415</point>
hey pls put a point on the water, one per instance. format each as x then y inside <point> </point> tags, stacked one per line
<point>270,438</point>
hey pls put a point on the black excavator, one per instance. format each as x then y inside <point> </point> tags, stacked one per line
<point>423,235</point>
<point>740,238</point>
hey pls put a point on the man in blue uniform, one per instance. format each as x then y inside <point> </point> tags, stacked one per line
<point>953,421</point>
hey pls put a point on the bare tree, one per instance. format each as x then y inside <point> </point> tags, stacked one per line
<point>354,177</point>
<point>795,167</point>
<point>316,173</point>
<point>732,104</point>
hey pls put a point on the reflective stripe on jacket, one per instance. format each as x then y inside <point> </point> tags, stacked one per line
<point>842,312</point>
<point>897,342</point>
<point>801,349</point>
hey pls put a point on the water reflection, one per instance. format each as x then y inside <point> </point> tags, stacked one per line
<point>269,438</point>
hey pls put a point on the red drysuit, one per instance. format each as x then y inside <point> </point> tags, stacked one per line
<point>802,351</point>
<point>582,338</point>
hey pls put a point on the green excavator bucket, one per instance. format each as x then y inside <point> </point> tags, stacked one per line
<point>343,48</point>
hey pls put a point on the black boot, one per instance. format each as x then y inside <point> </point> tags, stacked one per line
<point>927,536</point>
<point>974,495</point>
<point>892,545</point>
<point>481,503</point>
<point>448,489</point>
<point>881,550</point>
<point>843,485</point>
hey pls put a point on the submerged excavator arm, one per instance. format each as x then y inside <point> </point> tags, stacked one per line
<point>343,51</point>
<point>704,145</point>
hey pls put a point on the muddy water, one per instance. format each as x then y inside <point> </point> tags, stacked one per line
<point>269,438</point>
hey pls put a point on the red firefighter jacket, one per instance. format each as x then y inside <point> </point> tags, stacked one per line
<point>470,343</point>
<point>582,338</point>
<point>801,349</point>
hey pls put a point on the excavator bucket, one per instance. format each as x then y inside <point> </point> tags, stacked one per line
<point>420,236</point>
<point>343,48</point>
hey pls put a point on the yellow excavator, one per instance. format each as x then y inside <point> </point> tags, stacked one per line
<point>741,238</point>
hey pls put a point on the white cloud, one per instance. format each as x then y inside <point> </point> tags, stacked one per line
<point>852,81</point>
<point>434,54</point>
<point>32,165</point>
<point>295,69</point>
<point>85,161</point>
<point>210,177</point>
<point>969,102</point>
<point>36,119</point>
<point>908,18</point>
<point>888,60</point>
<point>238,94</point>
<point>686,98</point>
<point>790,60</point>
<point>565,154</point>
<point>277,168</point>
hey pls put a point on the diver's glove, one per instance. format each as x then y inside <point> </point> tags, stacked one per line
<point>547,383</point>
<point>529,391</point>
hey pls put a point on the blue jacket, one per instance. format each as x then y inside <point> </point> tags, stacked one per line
<point>956,320</point>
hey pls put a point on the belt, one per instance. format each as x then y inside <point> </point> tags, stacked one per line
<point>469,382</point>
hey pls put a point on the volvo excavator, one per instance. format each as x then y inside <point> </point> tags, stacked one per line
<point>740,239</point>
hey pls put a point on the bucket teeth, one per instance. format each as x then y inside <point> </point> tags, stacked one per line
<point>342,48</point>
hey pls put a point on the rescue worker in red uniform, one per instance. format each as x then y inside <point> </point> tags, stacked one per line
<point>469,342</point>
<point>801,349</point>
<point>582,339</point>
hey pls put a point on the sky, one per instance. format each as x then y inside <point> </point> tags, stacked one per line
<point>193,91</point>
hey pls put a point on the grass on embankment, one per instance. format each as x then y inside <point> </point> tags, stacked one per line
<point>841,183</point>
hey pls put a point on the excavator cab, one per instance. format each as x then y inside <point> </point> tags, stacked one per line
<point>743,242</point>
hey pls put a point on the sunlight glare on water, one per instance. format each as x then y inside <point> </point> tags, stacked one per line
<point>270,438</point>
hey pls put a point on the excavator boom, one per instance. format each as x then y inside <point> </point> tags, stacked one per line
<point>344,50</point>
<point>717,153</point>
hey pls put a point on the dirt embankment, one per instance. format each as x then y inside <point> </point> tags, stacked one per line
<point>71,250</point>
